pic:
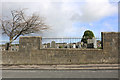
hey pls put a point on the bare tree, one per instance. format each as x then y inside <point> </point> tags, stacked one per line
<point>19,24</point>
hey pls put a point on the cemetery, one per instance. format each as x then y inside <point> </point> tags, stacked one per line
<point>32,51</point>
<point>91,43</point>
<point>13,47</point>
<point>88,41</point>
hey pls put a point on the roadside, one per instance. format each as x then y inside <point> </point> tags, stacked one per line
<point>62,67</point>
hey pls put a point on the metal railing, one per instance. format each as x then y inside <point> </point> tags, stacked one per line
<point>3,42</point>
<point>56,43</point>
<point>14,45</point>
<point>66,43</point>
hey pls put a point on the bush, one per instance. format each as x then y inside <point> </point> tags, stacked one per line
<point>99,47</point>
<point>60,46</point>
<point>87,35</point>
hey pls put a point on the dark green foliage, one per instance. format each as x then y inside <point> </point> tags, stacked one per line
<point>60,46</point>
<point>99,47</point>
<point>87,35</point>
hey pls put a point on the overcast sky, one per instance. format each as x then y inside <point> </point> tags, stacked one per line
<point>70,18</point>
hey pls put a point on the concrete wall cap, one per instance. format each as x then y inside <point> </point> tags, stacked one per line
<point>110,32</point>
<point>31,36</point>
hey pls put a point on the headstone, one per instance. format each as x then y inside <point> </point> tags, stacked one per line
<point>89,41</point>
<point>48,45</point>
<point>74,46</point>
<point>90,45</point>
<point>79,46</point>
<point>53,44</point>
<point>68,46</point>
<point>94,42</point>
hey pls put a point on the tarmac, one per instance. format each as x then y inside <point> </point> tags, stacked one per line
<point>62,67</point>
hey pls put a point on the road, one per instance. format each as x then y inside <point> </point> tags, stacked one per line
<point>60,73</point>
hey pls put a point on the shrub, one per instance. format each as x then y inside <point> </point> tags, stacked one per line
<point>87,35</point>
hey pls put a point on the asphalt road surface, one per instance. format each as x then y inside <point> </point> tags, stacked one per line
<point>60,73</point>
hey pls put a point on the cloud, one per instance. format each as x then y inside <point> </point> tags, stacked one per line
<point>61,14</point>
<point>93,11</point>
<point>108,26</point>
<point>90,24</point>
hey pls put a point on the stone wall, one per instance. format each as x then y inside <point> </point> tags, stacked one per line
<point>31,53</point>
<point>110,43</point>
<point>29,43</point>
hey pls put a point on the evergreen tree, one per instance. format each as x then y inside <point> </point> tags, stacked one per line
<point>87,35</point>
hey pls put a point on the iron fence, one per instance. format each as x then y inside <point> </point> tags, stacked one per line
<point>57,43</point>
<point>14,45</point>
<point>68,43</point>
<point>3,42</point>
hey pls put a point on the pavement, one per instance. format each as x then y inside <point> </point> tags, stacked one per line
<point>61,71</point>
<point>62,67</point>
<point>60,74</point>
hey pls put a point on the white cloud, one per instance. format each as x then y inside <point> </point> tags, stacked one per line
<point>91,24</point>
<point>108,27</point>
<point>61,16</point>
<point>93,11</point>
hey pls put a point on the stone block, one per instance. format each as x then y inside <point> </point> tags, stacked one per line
<point>28,43</point>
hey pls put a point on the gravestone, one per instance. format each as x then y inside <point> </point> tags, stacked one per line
<point>92,43</point>
<point>53,44</point>
<point>74,46</point>
<point>48,45</point>
<point>79,46</point>
<point>68,46</point>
